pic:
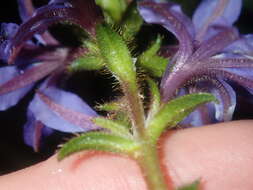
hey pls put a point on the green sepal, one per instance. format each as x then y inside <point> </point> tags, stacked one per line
<point>155,99</point>
<point>117,112</point>
<point>109,107</point>
<point>87,62</point>
<point>115,127</point>
<point>114,8</point>
<point>131,23</point>
<point>98,141</point>
<point>193,186</point>
<point>175,111</point>
<point>117,56</point>
<point>152,63</point>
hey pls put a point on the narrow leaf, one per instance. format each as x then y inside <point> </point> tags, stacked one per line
<point>131,23</point>
<point>115,127</point>
<point>193,186</point>
<point>175,111</point>
<point>114,8</point>
<point>151,62</point>
<point>87,62</point>
<point>109,107</point>
<point>118,60</point>
<point>155,99</point>
<point>116,54</point>
<point>98,141</point>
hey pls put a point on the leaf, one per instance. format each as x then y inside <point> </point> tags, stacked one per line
<point>98,141</point>
<point>115,127</point>
<point>87,62</point>
<point>118,60</point>
<point>193,186</point>
<point>155,99</point>
<point>131,23</point>
<point>114,8</point>
<point>117,56</point>
<point>175,111</point>
<point>109,107</point>
<point>151,62</point>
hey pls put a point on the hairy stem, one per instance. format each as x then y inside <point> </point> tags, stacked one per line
<point>150,165</point>
<point>135,107</point>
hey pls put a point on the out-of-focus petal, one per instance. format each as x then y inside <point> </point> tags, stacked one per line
<point>215,12</point>
<point>26,10</point>
<point>7,32</point>
<point>215,44</point>
<point>170,17</point>
<point>11,98</point>
<point>227,101</point>
<point>83,13</point>
<point>61,110</point>
<point>203,115</point>
<point>242,46</point>
<point>35,131</point>
<point>27,77</point>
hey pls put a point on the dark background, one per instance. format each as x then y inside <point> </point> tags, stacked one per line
<point>14,154</point>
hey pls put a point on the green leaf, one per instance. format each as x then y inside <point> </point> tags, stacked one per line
<point>117,57</point>
<point>155,99</point>
<point>114,8</point>
<point>87,62</point>
<point>98,141</point>
<point>175,111</point>
<point>115,127</point>
<point>151,62</point>
<point>193,186</point>
<point>118,60</point>
<point>131,23</point>
<point>109,107</point>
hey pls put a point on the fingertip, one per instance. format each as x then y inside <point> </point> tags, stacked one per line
<point>220,156</point>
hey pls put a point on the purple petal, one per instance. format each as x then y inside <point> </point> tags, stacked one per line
<point>10,98</point>
<point>35,131</point>
<point>170,17</point>
<point>227,98</point>
<point>215,44</point>
<point>7,32</point>
<point>199,117</point>
<point>215,12</point>
<point>27,77</point>
<point>61,110</point>
<point>26,9</point>
<point>83,13</point>
<point>242,46</point>
<point>203,115</point>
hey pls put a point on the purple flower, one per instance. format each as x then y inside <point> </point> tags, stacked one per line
<point>33,60</point>
<point>210,54</point>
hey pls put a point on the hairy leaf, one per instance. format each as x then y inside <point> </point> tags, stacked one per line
<point>98,141</point>
<point>193,186</point>
<point>115,127</point>
<point>175,111</point>
<point>151,62</point>
<point>155,99</point>
<point>114,8</point>
<point>131,23</point>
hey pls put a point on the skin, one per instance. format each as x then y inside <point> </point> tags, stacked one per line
<point>220,155</point>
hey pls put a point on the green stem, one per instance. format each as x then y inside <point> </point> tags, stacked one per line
<point>135,109</point>
<point>151,168</point>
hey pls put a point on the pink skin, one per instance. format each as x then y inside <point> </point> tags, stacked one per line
<point>220,155</point>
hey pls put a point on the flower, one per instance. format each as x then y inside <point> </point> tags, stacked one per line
<point>210,54</point>
<point>51,108</point>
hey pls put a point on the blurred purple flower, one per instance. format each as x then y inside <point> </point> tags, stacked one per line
<point>210,53</point>
<point>33,60</point>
